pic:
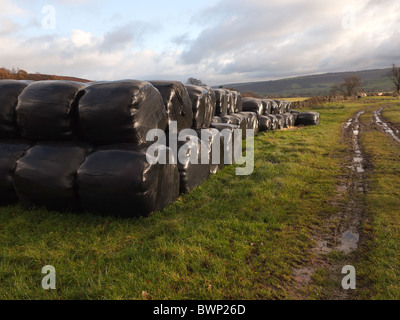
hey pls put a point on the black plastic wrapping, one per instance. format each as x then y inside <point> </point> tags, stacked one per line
<point>289,120</point>
<point>213,106</point>
<point>274,121</point>
<point>9,92</point>
<point>230,101</point>
<point>252,120</point>
<point>177,102</point>
<point>47,110</point>
<point>202,106</point>
<point>121,112</point>
<point>227,140</point>
<point>215,147</point>
<point>191,174</point>
<point>216,119</point>
<point>10,152</point>
<point>264,123</point>
<point>213,98</point>
<point>274,107</point>
<point>119,180</point>
<point>241,121</point>
<point>294,113</point>
<point>228,119</point>
<point>253,105</point>
<point>308,118</point>
<point>267,104</point>
<point>237,101</point>
<point>281,121</point>
<point>46,175</point>
<point>287,106</point>
<point>221,102</point>
<point>281,106</point>
<point>237,119</point>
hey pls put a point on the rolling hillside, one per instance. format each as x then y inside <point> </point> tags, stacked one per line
<point>320,84</point>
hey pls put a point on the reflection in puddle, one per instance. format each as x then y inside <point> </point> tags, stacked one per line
<point>349,241</point>
<point>358,159</point>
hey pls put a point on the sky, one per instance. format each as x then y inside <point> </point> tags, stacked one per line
<point>218,42</point>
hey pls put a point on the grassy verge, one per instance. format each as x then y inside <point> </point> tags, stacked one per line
<point>231,238</point>
<point>392,113</point>
<point>378,269</point>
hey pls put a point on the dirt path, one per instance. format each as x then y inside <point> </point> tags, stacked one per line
<point>385,126</point>
<point>343,230</point>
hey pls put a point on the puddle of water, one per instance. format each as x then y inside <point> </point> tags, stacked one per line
<point>360,169</point>
<point>349,241</point>
<point>384,126</point>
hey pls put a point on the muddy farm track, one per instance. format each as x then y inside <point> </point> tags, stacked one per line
<point>343,231</point>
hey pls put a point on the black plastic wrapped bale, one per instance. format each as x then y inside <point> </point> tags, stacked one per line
<point>227,140</point>
<point>213,105</point>
<point>241,121</point>
<point>281,121</point>
<point>216,119</point>
<point>213,97</point>
<point>9,92</point>
<point>252,120</point>
<point>237,101</point>
<point>288,120</point>
<point>281,106</point>
<point>177,102</point>
<point>267,104</point>
<point>228,119</point>
<point>253,105</point>
<point>47,110</point>
<point>121,112</point>
<point>211,139</point>
<point>295,113</point>
<point>287,106</point>
<point>10,152</point>
<point>119,180</point>
<point>308,118</point>
<point>46,175</point>
<point>221,102</point>
<point>274,121</point>
<point>201,104</point>
<point>274,107</point>
<point>230,101</point>
<point>264,123</point>
<point>192,171</point>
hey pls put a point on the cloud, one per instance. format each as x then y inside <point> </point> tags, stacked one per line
<point>238,41</point>
<point>127,35</point>
<point>260,39</point>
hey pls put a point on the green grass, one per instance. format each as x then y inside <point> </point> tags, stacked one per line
<point>379,266</point>
<point>232,238</point>
<point>392,113</point>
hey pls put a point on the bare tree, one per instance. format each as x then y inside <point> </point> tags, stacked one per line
<point>350,86</point>
<point>395,77</point>
<point>195,82</point>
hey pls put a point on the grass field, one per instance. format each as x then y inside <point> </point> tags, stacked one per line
<point>233,237</point>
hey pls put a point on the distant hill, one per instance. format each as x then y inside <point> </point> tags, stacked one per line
<point>23,75</point>
<point>316,85</point>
